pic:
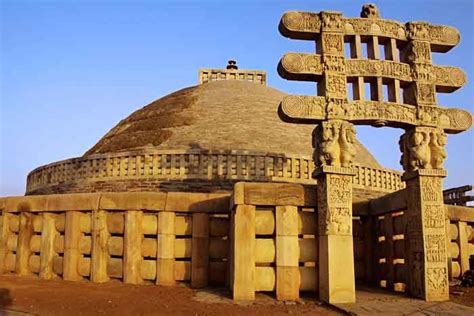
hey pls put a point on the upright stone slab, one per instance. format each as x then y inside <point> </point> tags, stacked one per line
<point>132,247</point>
<point>165,262</point>
<point>23,247</point>
<point>5,232</point>
<point>336,255</point>
<point>287,253</point>
<point>49,234</point>
<point>100,250</point>
<point>243,257</point>
<point>200,251</point>
<point>72,254</point>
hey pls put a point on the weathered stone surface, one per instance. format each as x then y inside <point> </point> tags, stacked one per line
<point>313,109</point>
<point>422,145</point>
<point>304,25</point>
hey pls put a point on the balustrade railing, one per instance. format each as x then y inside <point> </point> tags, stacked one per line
<point>134,237</point>
<point>184,165</point>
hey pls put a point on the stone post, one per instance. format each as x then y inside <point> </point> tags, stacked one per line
<point>243,256</point>
<point>25,232</point>
<point>132,247</point>
<point>48,235</point>
<point>287,253</point>
<point>425,235</point>
<point>72,254</point>
<point>100,250</point>
<point>336,252</point>
<point>334,151</point>
<point>200,250</point>
<point>165,262</point>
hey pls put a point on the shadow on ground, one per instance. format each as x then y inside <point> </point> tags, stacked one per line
<point>5,298</point>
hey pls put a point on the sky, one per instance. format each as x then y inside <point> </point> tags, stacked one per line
<point>71,70</point>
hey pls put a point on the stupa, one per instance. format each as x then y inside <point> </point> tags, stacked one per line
<point>203,138</point>
<point>234,183</point>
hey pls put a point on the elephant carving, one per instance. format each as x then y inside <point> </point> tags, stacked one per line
<point>423,148</point>
<point>334,141</point>
<point>329,147</point>
<point>420,156</point>
<point>438,153</point>
<point>347,140</point>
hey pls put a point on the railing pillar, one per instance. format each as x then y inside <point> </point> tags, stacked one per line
<point>132,248</point>
<point>165,250</point>
<point>463,242</point>
<point>4,234</point>
<point>100,250</point>
<point>243,257</point>
<point>287,253</point>
<point>48,236</point>
<point>72,235</point>
<point>23,247</point>
<point>200,250</point>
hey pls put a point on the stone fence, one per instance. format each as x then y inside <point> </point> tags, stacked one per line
<point>195,165</point>
<point>389,225</point>
<point>262,237</point>
<point>134,237</point>
<point>458,196</point>
<point>280,222</point>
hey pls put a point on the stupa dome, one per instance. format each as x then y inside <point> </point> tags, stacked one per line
<point>202,138</point>
<point>219,115</point>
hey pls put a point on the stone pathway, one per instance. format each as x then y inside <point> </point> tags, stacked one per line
<point>377,302</point>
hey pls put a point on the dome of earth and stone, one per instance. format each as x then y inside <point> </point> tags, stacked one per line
<point>201,138</point>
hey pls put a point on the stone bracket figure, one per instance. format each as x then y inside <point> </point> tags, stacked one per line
<point>334,143</point>
<point>423,148</point>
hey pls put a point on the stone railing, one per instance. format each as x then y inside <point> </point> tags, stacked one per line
<point>199,165</point>
<point>255,76</point>
<point>389,239</point>
<point>280,222</point>
<point>461,232</point>
<point>134,237</point>
<point>458,196</point>
<point>267,240</point>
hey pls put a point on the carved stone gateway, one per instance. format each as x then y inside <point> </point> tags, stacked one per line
<point>410,83</point>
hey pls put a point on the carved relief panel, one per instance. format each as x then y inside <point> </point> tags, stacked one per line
<point>335,204</point>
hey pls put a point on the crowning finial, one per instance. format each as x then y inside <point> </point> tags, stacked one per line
<point>369,10</point>
<point>232,64</point>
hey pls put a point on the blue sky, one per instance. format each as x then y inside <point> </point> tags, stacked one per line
<point>71,70</point>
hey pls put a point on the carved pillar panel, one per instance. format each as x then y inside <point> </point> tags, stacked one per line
<point>418,54</point>
<point>427,258</point>
<point>336,256</point>
<point>331,46</point>
<point>334,152</point>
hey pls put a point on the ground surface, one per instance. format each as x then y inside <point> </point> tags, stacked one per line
<point>32,295</point>
<point>463,295</point>
<point>372,301</point>
<point>22,296</point>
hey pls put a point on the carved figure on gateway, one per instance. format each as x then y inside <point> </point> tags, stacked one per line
<point>336,147</point>
<point>369,10</point>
